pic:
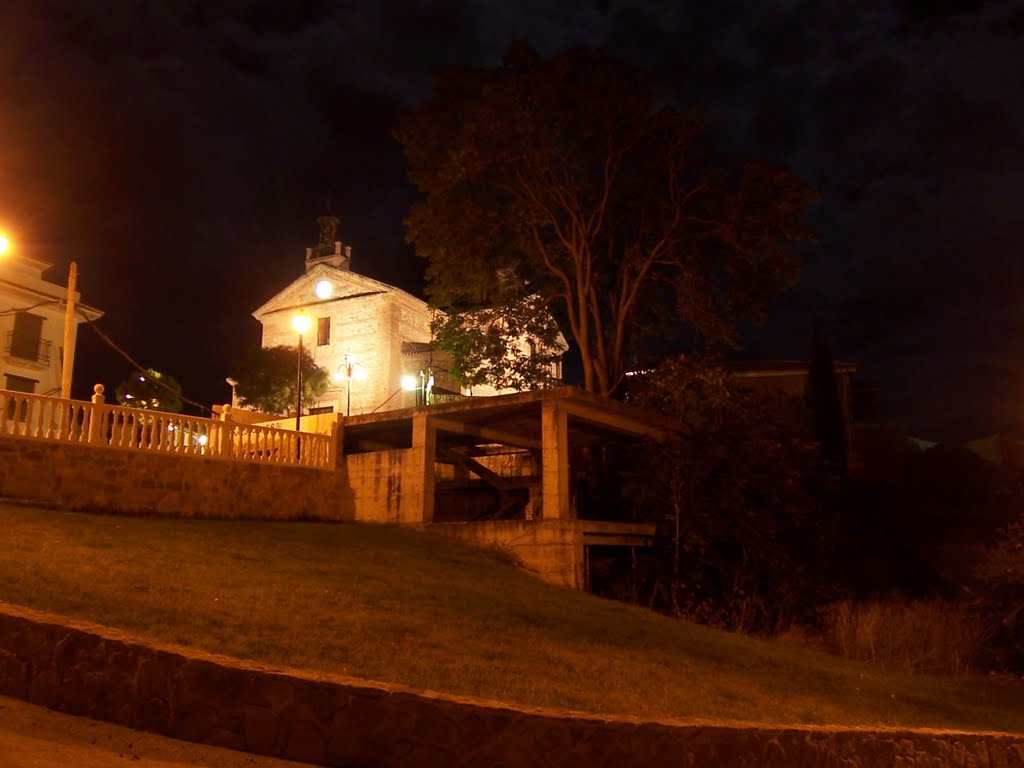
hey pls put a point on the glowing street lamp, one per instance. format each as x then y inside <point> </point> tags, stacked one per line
<point>423,386</point>
<point>4,244</point>
<point>300,323</point>
<point>347,370</point>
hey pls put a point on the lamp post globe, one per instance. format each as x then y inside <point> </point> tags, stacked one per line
<point>349,369</point>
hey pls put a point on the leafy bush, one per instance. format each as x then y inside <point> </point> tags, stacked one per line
<point>267,379</point>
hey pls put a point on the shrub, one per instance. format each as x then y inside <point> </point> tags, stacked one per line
<point>919,636</point>
<point>1001,597</point>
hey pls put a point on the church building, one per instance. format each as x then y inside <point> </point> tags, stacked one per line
<point>371,337</point>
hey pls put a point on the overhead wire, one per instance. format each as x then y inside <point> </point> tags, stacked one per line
<point>138,368</point>
<point>16,310</point>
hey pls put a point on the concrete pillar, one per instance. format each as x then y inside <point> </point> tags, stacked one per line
<point>554,462</point>
<point>95,432</point>
<point>337,445</point>
<point>418,489</point>
<point>224,442</point>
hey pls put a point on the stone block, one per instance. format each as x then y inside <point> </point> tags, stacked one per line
<point>193,721</point>
<point>33,643</point>
<point>226,738</point>
<point>153,678</point>
<point>42,687</point>
<point>14,675</point>
<point>269,690</point>
<point>199,679</point>
<point>264,731</point>
<point>434,726</point>
<point>152,715</point>
<point>306,743</point>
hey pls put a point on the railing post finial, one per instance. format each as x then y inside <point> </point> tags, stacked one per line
<point>95,432</point>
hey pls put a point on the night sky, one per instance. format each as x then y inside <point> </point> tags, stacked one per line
<point>180,151</point>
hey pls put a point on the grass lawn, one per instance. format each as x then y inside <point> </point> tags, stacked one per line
<point>396,605</point>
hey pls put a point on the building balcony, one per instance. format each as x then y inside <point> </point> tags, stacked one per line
<point>29,353</point>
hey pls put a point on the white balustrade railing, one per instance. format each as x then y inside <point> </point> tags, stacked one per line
<point>95,423</point>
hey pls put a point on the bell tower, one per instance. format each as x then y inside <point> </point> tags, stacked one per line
<point>329,248</point>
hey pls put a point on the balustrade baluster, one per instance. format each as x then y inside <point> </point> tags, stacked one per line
<point>50,418</point>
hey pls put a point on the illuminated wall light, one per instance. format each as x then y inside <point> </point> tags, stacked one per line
<point>323,289</point>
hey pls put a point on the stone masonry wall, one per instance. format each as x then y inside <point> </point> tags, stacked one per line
<point>378,483</point>
<point>139,482</point>
<point>91,671</point>
<point>552,549</point>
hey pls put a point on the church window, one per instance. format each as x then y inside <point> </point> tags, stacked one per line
<point>323,331</point>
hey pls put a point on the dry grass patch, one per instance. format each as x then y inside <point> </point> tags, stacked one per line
<point>401,606</point>
<point>917,636</point>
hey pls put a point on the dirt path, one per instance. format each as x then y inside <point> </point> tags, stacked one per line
<point>35,737</point>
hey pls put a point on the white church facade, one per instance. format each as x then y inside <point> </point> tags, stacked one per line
<point>368,335</point>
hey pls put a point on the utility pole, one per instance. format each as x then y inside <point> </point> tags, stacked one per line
<point>69,334</point>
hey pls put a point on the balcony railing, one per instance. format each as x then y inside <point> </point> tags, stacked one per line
<point>75,421</point>
<point>33,350</point>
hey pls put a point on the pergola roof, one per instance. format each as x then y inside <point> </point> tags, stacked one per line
<point>507,420</point>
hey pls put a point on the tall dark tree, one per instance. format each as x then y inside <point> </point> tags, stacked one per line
<point>266,379</point>
<point>736,496</point>
<point>569,179</point>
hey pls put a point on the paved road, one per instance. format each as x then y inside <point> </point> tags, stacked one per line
<point>35,737</point>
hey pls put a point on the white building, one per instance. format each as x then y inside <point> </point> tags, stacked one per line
<point>383,329</point>
<point>32,326</point>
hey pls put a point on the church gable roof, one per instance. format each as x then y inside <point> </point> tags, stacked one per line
<point>345,285</point>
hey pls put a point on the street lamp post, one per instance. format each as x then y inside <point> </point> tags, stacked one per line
<point>351,367</point>
<point>301,324</point>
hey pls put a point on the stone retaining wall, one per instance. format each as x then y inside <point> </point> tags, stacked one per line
<point>87,670</point>
<point>143,482</point>
<point>552,549</point>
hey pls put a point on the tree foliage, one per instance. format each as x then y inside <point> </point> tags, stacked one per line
<point>569,179</point>
<point>1001,574</point>
<point>151,391</point>
<point>514,344</point>
<point>736,499</point>
<point>267,376</point>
